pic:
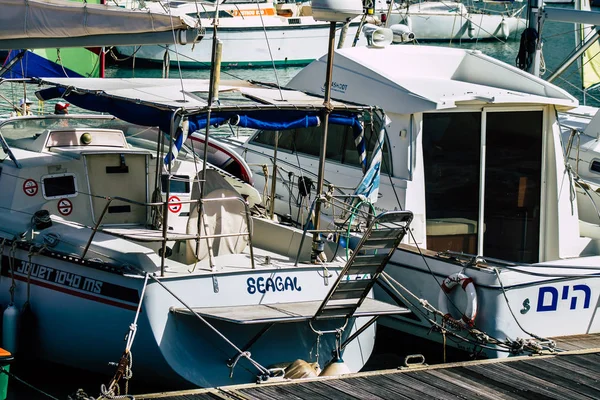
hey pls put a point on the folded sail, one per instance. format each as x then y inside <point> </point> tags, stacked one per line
<point>53,63</point>
<point>590,60</point>
<point>70,62</point>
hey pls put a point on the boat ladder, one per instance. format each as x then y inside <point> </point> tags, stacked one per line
<point>364,266</point>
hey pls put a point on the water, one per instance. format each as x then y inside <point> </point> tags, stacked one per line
<point>389,351</point>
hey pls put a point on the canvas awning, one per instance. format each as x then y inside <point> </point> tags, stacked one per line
<point>34,24</point>
<point>153,102</point>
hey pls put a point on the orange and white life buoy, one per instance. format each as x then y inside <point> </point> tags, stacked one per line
<point>468,317</point>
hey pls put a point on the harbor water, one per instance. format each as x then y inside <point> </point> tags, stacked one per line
<point>391,348</point>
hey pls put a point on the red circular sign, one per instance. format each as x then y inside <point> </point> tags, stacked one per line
<point>174,205</point>
<point>30,187</point>
<point>65,207</point>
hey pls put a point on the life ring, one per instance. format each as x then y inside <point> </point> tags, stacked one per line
<point>468,317</point>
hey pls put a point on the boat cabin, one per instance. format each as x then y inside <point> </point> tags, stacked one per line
<point>473,150</point>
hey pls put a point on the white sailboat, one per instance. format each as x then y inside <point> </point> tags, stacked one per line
<point>263,33</point>
<point>110,225</point>
<point>453,20</point>
<point>254,33</point>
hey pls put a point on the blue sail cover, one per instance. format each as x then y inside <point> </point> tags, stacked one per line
<point>258,120</point>
<point>33,65</point>
<point>368,188</point>
<point>140,114</point>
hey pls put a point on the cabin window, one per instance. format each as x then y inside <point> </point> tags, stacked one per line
<point>513,170</point>
<point>451,156</point>
<point>595,166</point>
<point>513,185</point>
<point>179,183</point>
<point>59,186</point>
<point>340,143</point>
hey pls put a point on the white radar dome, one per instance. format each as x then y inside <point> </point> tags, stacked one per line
<point>336,10</point>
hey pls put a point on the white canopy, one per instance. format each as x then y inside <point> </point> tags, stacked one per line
<point>34,24</point>
<point>408,79</point>
<point>192,94</point>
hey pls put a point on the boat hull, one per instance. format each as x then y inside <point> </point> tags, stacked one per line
<point>564,303</point>
<point>246,46</point>
<point>80,314</point>
<point>451,21</point>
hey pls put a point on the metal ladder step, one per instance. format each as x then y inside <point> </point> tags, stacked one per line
<point>368,260</point>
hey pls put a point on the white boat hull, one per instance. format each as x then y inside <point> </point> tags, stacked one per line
<point>543,306</point>
<point>246,46</point>
<point>452,21</point>
<point>82,313</point>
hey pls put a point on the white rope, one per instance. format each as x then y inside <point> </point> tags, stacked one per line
<point>133,326</point>
<point>270,52</point>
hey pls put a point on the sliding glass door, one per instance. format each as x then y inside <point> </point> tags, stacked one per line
<point>492,159</point>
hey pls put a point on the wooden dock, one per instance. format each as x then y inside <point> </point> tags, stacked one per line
<point>571,374</point>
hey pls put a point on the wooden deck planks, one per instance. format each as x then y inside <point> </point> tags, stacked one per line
<point>389,387</point>
<point>353,387</point>
<point>563,377</point>
<point>578,342</point>
<point>270,392</point>
<point>384,392</point>
<point>467,379</point>
<point>564,364</point>
<point>301,391</point>
<point>573,376</point>
<point>450,390</point>
<point>423,390</point>
<point>589,361</point>
<point>525,382</point>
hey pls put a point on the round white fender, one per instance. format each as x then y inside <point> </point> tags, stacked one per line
<point>468,317</point>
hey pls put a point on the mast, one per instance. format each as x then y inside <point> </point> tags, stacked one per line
<point>536,8</point>
<point>213,95</point>
<point>331,11</point>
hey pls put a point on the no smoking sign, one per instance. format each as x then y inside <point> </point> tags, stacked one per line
<point>65,207</point>
<point>30,187</point>
<point>174,204</point>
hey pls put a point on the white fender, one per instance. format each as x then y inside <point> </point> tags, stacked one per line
<point>10,328</point>
<point>505,29</point>
<point>466,283</point>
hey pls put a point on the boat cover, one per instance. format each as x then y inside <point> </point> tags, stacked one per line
<point>61,23</point>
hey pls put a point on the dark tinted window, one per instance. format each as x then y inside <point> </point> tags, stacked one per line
<point>59,186</point>
<point>179,183</point>
<point>595,166</point>
<point>340,143</point>
<point>513,182</point>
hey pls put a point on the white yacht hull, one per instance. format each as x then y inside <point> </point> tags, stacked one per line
<point>245,44</point>
<point>543,306</point>
<point>452,21</point>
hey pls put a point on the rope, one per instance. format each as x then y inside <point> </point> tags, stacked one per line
<point>481,338</point>
<point>513,314</point>
<point>30,267</point>
<point>266,199</point>
<point>80,395</point>
<point>4,371</point>
<point>11,264</point>
<point>264,371</point>
<point>270,52</point>
<point>124,367</point>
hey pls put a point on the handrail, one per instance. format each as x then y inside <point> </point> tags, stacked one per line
<point>331,198</point>
<point>165,237</point>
